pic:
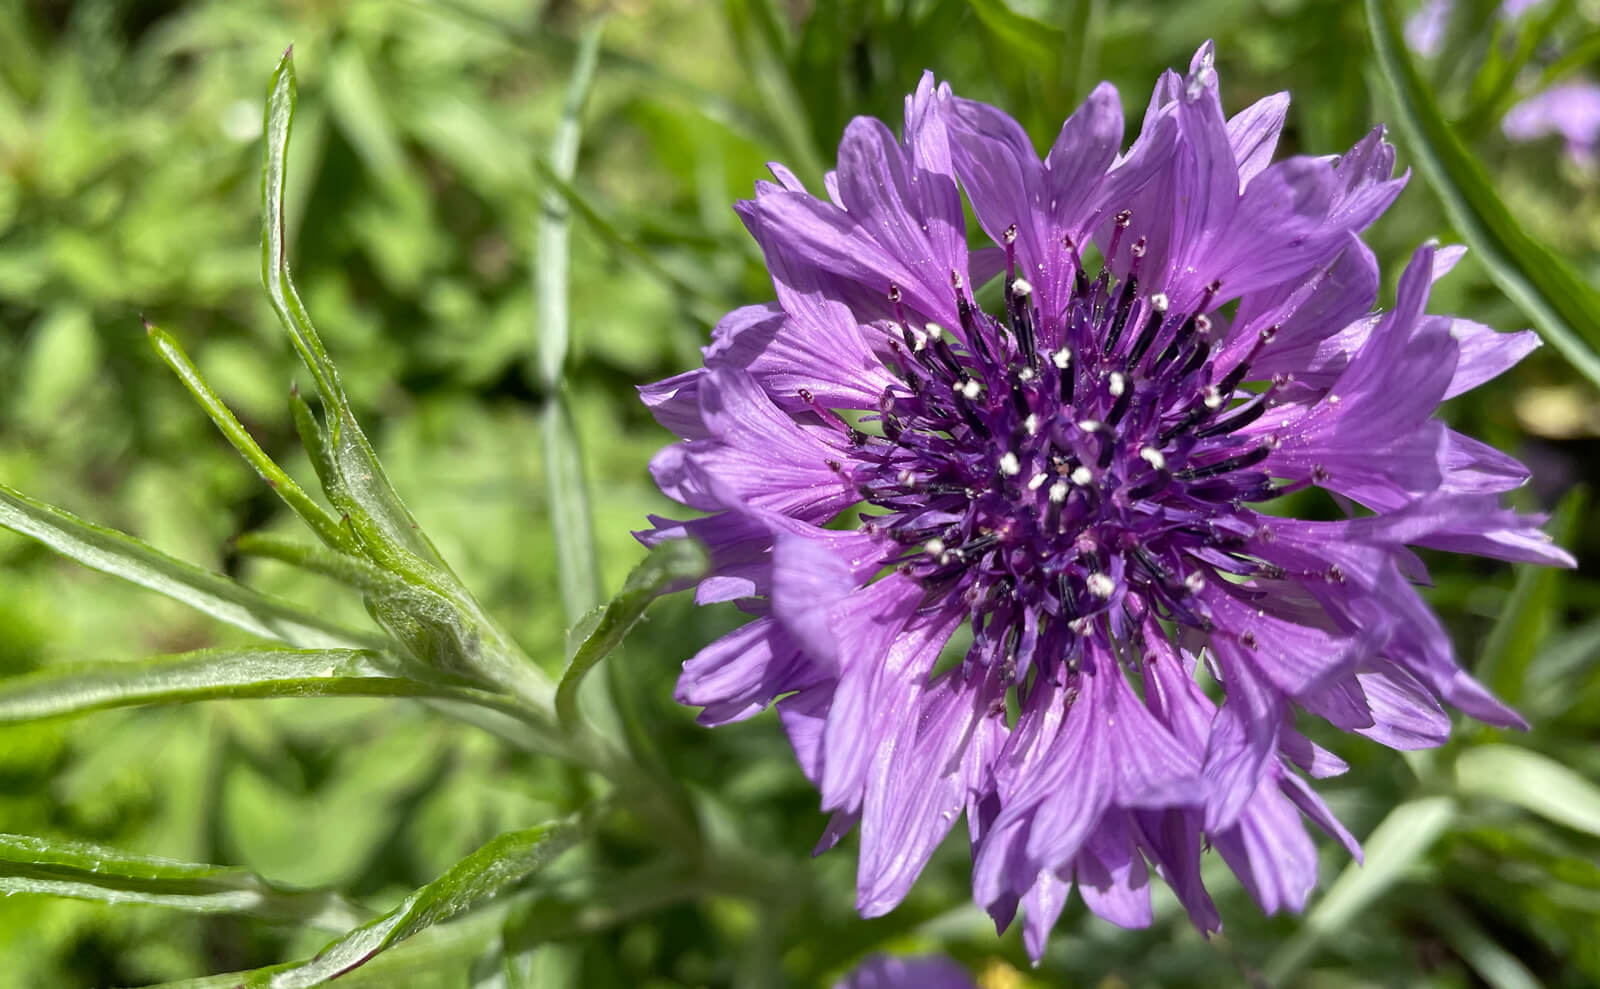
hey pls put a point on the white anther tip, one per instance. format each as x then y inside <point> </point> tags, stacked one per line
<point>1010,465</point>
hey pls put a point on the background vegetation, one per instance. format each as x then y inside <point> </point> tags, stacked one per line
<point>425,155</point>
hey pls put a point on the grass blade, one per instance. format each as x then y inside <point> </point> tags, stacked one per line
<point>1035,41</point>
<point>1496,966</point>
<point>211,674</point>
<point>555,217</point>
<point>668,566</point>
<point>576,565</point>
<point>1534,782</point>
<point>123,556</point>
<point>702,297</point>
<point>1564,309</point>
<point>94,872</point>
<point>775,88</point>
<point>496,866</point>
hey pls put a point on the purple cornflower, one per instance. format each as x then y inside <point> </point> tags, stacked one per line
<point>1071,478</point>
<point>887,972</point>
<point>1571,109</point>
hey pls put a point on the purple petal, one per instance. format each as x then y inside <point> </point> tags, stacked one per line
<point>1485,354</point>
<point>1042,906</point>
<point>919,782</point>
<point>1254,131</point>
<point>808,582</point>
<point>1270,851</point>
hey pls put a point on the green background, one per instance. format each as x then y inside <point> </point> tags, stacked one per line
<point>130,148</point>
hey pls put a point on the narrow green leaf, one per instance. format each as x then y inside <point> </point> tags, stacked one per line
<point>389,533</point>
<point>555,217</point>
<point>462,634</point>
<point>1532,781</point>
<point>775,88</point>
<point>576,565</point>
<point>314,515</point>
<point>1520,629</point>
<point>446,949</point>
<point>279,119</point>
<point>1083,54</point>
<point>1039,43</point>
<point>707,302</point>
<point>1494,88</point>
<point>94,872</point>
<point>1494,964</point>
<point>123,556</point>
<point>488,871</point>
<point>1556,677</point>
<point>1397,844</point>
<point>570,521</point>
<point>1563,308</point>
<point>350,570</point>
<point>209,674</point>
<point>670,565</point>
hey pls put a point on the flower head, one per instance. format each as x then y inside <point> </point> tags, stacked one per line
<point>888,972</point>
<point>1074,475</point>
<point>1570,109</point>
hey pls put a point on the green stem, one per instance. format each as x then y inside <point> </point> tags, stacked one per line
<point>314,515</point>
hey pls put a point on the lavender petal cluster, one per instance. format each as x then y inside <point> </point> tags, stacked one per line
<point>1067,613</point>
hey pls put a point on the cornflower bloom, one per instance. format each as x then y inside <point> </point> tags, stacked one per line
<point>888,972</point>
<point>1072,480</point>
<point>1570,109</point>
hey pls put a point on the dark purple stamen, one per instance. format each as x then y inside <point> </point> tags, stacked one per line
<point>1049,476</point>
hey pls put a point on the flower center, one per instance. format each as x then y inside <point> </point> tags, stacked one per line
<point>1054,469</point>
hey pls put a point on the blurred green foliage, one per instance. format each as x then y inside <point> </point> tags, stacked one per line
<point>129,155</point>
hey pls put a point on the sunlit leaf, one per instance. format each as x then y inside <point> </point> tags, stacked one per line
<point>1039,43</point>
<point>1533,782</point>
<point>123,556</point>
<point>671,565</point>
<point>217,673</point>
<point>570,520</point>
<point>389,532</point>
<point>86,871</point>
<point>314,515</point>
<point>490,870</point>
